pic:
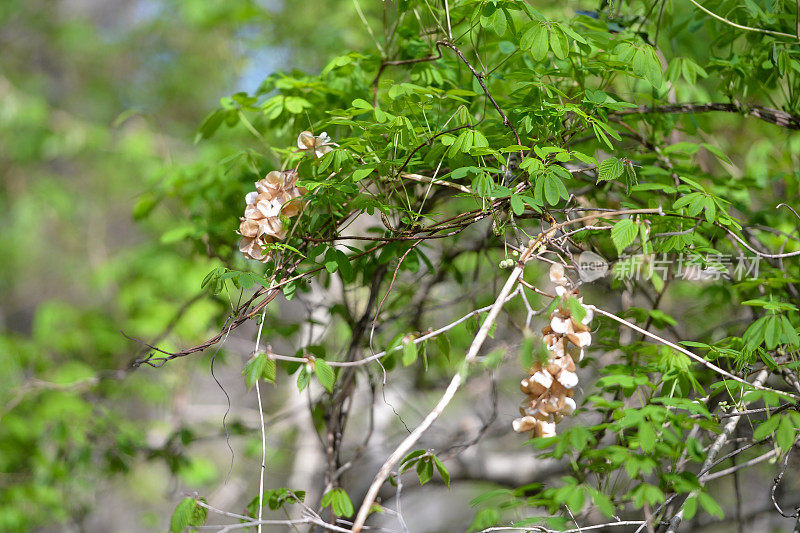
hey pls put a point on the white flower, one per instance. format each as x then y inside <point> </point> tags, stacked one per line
<point>561,325</point>
<point>569,406</point>
<point>546,429</point>
<point>543,378</point>
<point>526,423</point>
<point>568,379</point>
<point>581,340</point>
<point>269,208</point>
<point>319,145</point>
<point>557,274</point>
<point>252,247</point>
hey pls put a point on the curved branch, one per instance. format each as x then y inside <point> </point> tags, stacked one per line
<point>767,114</point>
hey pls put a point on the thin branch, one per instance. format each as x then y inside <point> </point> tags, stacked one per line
<point>722,473</point>
<point>777,482</point>
<point>713,451</point>
<point>691,355</point>
<point>384,353</point>
<point>479,77</point>
<point>425,179</point>
<point>542,529</point>
<point>767,114</point>
<point>739,26</point>
<point>449,393</point>
<point>263,429</point>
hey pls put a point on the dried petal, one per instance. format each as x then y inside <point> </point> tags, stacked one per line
<point>557,274</point>
<point>581,339</point>
<point>305,141</point>
<point>543,378</point>
<point>545,429</point>
<point>561,325</point>
<point>569,406</point>
<point>273,227</point>
<point>529,386</point>
<point>292,208</point>
<point>253,248</point>
<point>568,379</point>
<point>249,228</point>
<point>526,423</point>
<point>578,326</point>
<point>589,315</point>
<point>270,208</point>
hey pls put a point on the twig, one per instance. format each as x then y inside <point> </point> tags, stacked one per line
<point>777,482</point>
<point>263,429</point>
<point>767,114</point>
<point>621,523</point>
<point>384,353</point>
<point>713,451</point>
<point>444,183</point>
<point>748,28</point>
<point>479,77</point>
<point>449,393</point>
<point>736,468</point>
<point>691,355</point>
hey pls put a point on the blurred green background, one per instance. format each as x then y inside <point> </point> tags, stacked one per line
<point>99,105</point>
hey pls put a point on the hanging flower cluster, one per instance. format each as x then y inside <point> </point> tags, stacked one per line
<point>276,197</point>
<point>551,382</point>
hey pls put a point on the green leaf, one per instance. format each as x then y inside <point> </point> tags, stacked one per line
<point>772,332</point>
<point>623,234</point>
<point>342,505</point>
<point>576,309</point>
<point>709,505</point>
<point>499,22</point>
<point>690,507</point>
<point>517,205</point>
<point>424,470</point>
<point>766,427</point>
<point>443,342</point>
<point>409,351</point>
<point>339,502</point>
<point>254,369</point>
<point>716,151</point>
<point>408,460</point>
<point>361,173</point>
<point>789,332</point>
<point>268,374</point>
<point>554,189</point>
<point>647,437</point>
<point>610,169</point>
<point>539,42</point>
<point>325,374</point>
<point>785,434</point>
<point>646,493</point>
<point>559,43</point>
<point>603,502</point>
<point>187,513</point>
<point>442,471</point>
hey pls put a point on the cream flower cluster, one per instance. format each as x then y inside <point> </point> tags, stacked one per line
<point>550,384</point>
<point>276,196</point>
